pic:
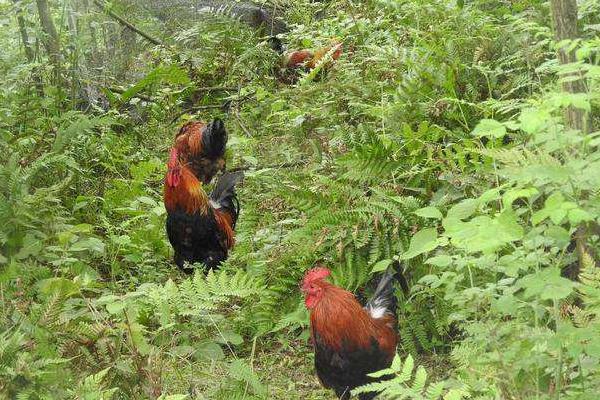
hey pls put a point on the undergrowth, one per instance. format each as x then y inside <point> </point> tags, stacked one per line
<point>436,139</point>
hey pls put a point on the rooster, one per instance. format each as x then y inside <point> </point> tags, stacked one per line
<point>309,59</point>
<point>202,147</point>
<point>306,60</point>
<point>350,341</point>
<point>200,227</point>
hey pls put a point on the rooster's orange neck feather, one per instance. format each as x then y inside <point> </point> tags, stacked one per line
<point>342,323</point>
<point>187,195</point>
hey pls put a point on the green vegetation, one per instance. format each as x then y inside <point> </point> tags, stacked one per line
<point>447,135</point>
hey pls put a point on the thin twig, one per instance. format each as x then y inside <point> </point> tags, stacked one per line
<point>273,166</point>
<point>138,95</point>
<point>127,24</point>
<point>222,336</point>
<point>196,108</point>
<point>251,364</point>
<point>216,88</point>
<point>236,114</point>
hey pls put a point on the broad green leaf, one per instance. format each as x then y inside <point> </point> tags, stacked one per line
<point>546,284</point>
<point>381,265</point>
<point>137,337</point>
<point>32,246</point>
<point>229,337</point>
<point>486,234</point>
<point>489,195</point>
<point>64,287</point>
<point>533,120</point>
<point>91,244</point>
<point>577,216</point>
<point>463,210</point>
<point>511,195</point>
<point>439,261</point>
<point>506,305</point>
<point>555,208</point>
<point>423,241</point>
<point>489,127</point>
<point>558,234</point>
<point>116,307</point>
<point>429,212</point>
<point>209,350</point>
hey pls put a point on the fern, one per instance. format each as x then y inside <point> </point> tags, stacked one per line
<point>93,387</point>
<point>196,296</point>
<point>242,372</point>
<point>406,382</point>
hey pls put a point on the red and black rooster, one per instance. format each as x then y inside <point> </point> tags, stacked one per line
<point>350,341</point>
<point>309,59</point>
<point>200,227</point>
<point>202,148</point>
<point>306,60</point>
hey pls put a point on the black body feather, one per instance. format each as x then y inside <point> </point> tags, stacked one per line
<point>345,370</point>
<point>196,239</point>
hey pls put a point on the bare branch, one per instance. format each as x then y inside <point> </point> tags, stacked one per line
<point>128,24</point>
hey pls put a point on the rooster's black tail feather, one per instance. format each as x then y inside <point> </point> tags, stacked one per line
<point>383,299</point>
<point>224,196</point>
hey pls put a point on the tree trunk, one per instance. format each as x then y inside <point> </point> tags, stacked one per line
<point>23,31</point>
<point>51,40</point>
<point>564,17</point>
<point>72,46</point>
<point>29,52</point>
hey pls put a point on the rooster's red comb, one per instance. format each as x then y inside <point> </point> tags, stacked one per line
<point>315,274</point>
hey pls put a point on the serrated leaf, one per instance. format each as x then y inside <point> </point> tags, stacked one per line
<point>229,337</point>
<point>489,127</point>
<point>420,378</point>
<point>462,210</point>
<point>511,195</point>
<point>64,287</point>
<point>547,284</point>
<point>209,350</point>
<point>429,212</point>
<point>407,368</point>
<point>439,261</point>
<point>91,244</point>
<point>423,241</point>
